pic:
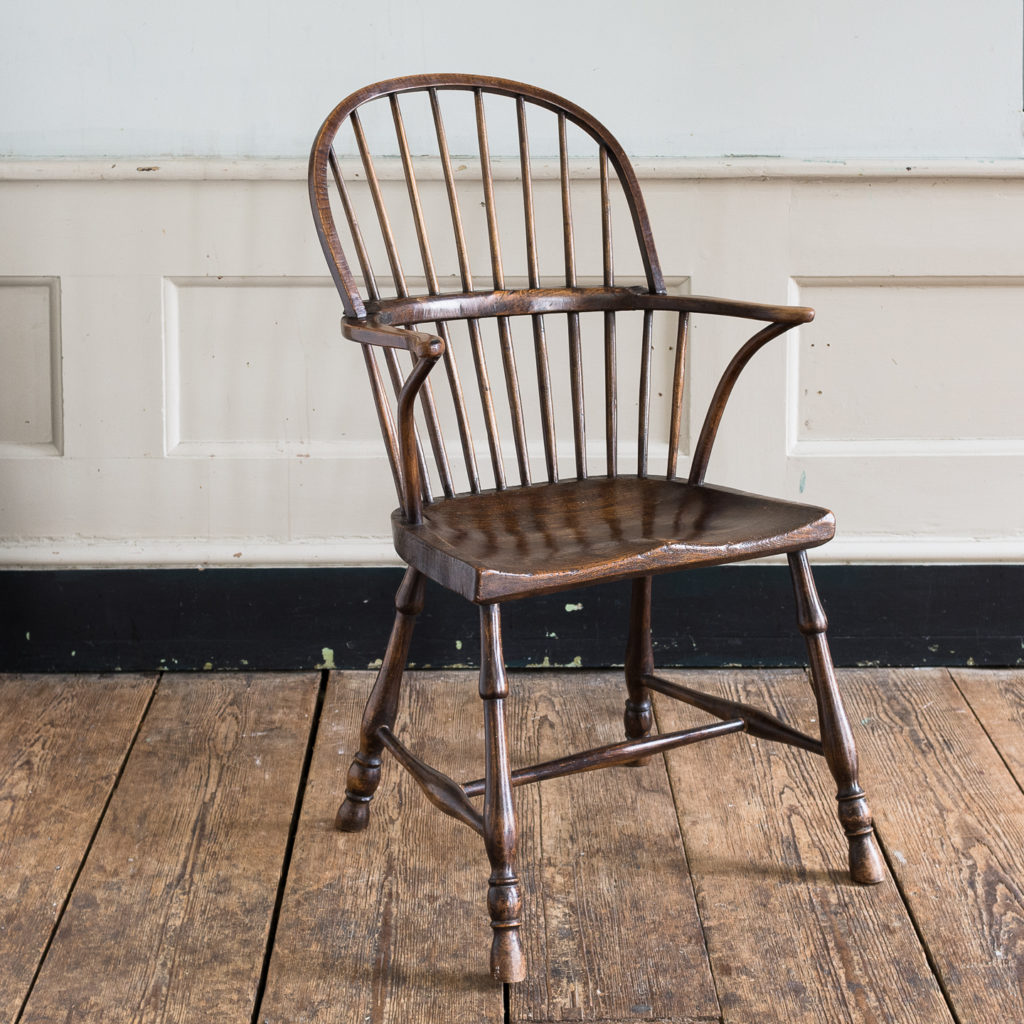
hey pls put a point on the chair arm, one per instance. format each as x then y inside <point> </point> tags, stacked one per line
<point>702,450</point>
<point>417,342</point>
<point>536,301</point>
<point>725,307</point>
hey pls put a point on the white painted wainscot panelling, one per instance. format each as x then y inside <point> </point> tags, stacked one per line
<point>175,391</point>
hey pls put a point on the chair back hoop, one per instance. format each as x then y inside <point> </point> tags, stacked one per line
<point>374,212</point>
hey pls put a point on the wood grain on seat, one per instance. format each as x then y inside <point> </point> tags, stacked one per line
<point>502,545</point>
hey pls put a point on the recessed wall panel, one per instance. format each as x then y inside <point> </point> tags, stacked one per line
<point>30,357</point>
<point>257,366</point>
<point>928,360</point>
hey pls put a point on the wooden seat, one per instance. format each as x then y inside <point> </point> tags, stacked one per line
<point>501,492</point>
<point>499,546</point>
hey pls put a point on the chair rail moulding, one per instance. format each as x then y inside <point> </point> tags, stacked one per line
<point>177,168</point>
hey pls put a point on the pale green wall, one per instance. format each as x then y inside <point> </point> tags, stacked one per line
<point>797,78</point>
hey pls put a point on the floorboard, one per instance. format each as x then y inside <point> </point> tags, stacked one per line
<point>996,697</point>
<point>63,740</point>
<point>145,828</point>
<point>790,937</point>
<point>388,925</point>
<point>952,820</point>
<point>169,919</point>
<point>616,909</point>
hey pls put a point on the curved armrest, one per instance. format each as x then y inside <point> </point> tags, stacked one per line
<point>702,450</point>
<point>417,342</point>
<point>725,307</point>
<point>523,301</point>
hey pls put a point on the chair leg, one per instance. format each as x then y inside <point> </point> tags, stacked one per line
<point>638,717</point>
<point>866,864</point>
<point>503,897</point>
<point>364,772</point>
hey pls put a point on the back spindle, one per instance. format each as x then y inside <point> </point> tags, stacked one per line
<point>677,395</point>
<point>579,430</point>
<point>540,348</point>
<point>429,408</point>
<point>508,356</point>
<point>645,393</point>
<point>390,246</point>
<point>611,425</point>
<point>458,396</point>
<point>384,417</point>
<point>378,204</point>
<point>369,280</point>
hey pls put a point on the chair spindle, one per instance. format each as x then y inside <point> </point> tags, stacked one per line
<point>384,417</point>
<point>400,288</point>
<point>369,280</point>
<point>645,393</point>
<point>540,347</point>
<point>508,356</point>
<point>579,429</point>
<point>611,425</point>
<point>454,379</point>
<point>426,392</point>
<point>429,409</point>
<point>378,204</point>
<point>677,395</point>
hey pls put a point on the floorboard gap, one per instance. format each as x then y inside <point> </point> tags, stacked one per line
<point>300,792</point>
<point>932,966</point>
<point>88,849</point>
<point>984,729</point>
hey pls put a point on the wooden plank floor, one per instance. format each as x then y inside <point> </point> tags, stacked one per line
<point>166,854</point>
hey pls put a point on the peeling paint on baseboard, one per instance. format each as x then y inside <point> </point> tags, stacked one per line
<point>576,662</point>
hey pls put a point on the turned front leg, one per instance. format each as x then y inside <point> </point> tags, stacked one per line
<point>836,736</point>
<point>503,897</point>
<point>381,708</point>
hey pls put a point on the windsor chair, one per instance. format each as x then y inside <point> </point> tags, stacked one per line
<point>593,516</point>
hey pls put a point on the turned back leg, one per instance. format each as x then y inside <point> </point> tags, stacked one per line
<point>364,772</point>
<point>638,716</point>
<point>836,736</point>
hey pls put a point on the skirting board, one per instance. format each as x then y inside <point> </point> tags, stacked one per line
<point>110,620</point>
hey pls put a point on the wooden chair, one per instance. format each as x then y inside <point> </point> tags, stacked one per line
<point>508,537</point>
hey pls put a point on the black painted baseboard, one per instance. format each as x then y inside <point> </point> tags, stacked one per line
<point>281,619</point>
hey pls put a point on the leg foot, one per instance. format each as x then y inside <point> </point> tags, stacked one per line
<point>866,864</point>
<point>363,778</point>
<point>507,963</point>
<point>352,816</point>
<point>364,772</point>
